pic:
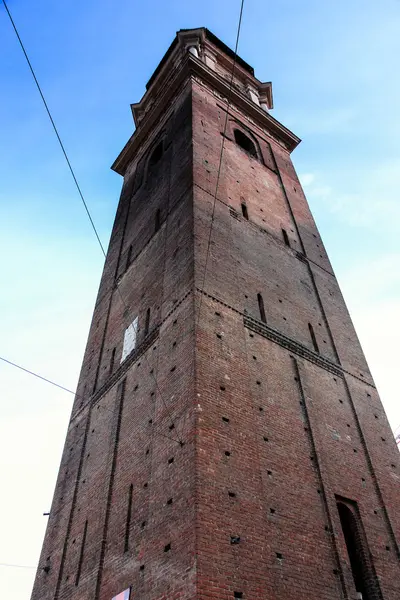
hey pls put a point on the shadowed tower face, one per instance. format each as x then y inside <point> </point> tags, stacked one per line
<point>227,440</point>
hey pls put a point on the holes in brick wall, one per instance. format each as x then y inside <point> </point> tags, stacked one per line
<point>225,419</point>
<point>227,453</point>
<point>393,466</point>
<point>355,450</point>
<point>171,427</point>
<point>272,511</point>
<point>265,438</point>
<point>143,524</point>
<point>376,416</point>
<point>235,539</point>
<point>136,387</point>
<point>218,314</point>
<point>238,594</point>
<point>219,336</point>
<point>258,382</point>
<point>285,238</point>
<point>261,308</point>
<point>169,501</point>
<point>174,345</point>
<point>244,211</point>
<point>141,568</point>
<point>150,421</point>
<point>172,369</point>
<point>368,395</point>
<point>269,473</point>
<point>383,439</point>
<point>387,548</point>
<point>341,401</point>
<point>174,322</point>
<point>222,388</point>
<point>279,555</point>
<point>147,452</point>
<point>167,548</point>
<point>171,460</point>
<point>254,357</point>
<point>145,485</point>
<point>261,409</point>
<point>151,371</point>
<point>231,494</point>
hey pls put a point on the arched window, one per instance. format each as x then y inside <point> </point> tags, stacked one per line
<point>245,143</point>
<point>261,308</point>
<point>156,155</point>
<point>353,536</point>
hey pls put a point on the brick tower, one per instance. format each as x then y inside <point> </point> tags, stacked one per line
<point>227,439</point>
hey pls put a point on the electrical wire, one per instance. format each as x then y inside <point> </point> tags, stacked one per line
<point>17,566</point>
<point>13,364</point>
<point>220,157</point>
<point>79,191</point>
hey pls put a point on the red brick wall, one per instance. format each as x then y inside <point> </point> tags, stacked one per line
<point>273,432</point>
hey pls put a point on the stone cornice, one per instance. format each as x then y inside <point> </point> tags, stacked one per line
<point>161,94</point>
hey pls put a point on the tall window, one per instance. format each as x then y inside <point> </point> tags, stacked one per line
<point>157,220</point>
<point>245,143</point>
<point>313,338</point>
<point>363,575</point>
<point>244,211</point>
<point>286,238</point>
<point>147,323</point>
<point>261,308</point>
<point>156,155</point>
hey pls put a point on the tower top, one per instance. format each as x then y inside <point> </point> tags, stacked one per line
<point>199,53</point>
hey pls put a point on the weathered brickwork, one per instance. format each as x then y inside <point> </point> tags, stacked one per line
<point>240,450</point>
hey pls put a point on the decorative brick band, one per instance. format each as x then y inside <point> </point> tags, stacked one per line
<point>291,345</point>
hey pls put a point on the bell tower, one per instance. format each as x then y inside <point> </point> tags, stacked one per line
<point>227,439</point>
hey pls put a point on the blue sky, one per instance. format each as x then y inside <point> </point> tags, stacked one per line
<point>334,68</point>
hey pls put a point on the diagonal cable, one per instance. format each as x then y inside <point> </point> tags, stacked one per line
<point>220,159</point>
<point>75,180</point>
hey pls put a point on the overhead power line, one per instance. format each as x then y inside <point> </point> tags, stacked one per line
<point>86,206</point>
<point>80,194</point>
<point>13,364</point>
<point>16,566</point>
<point>54,127</point>
<point>220,157</point>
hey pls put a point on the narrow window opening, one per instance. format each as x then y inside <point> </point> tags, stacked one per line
<point>157,220</point>
<point>128,518</point>
<point>261,308</point>
<point>128,257</point>
<point>286,238</point>
<point>245,143</point>
<point>81,554</point>
<point>112,359</point>
<point>244,211</point>
<point>147,323</point>
<point>156,155</point>
<point>356,551</point>
<point>313,338</point>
